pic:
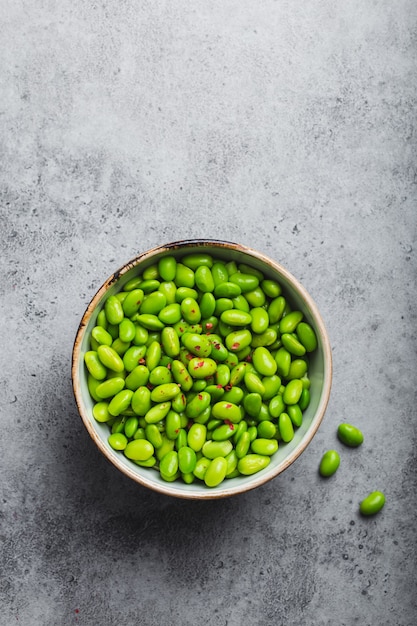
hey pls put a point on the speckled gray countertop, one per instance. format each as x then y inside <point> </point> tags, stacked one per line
<point>288,126</point>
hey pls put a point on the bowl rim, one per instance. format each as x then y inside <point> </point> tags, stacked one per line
<point>257,479</point>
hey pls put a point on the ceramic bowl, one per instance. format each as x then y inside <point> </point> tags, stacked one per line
<point>320,370</point>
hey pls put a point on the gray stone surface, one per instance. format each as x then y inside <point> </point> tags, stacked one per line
<point>289,127</point>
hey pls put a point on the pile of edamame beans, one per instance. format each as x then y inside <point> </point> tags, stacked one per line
<point>199,367</point>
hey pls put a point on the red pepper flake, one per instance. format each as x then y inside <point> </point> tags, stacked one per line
<point>217,346</point>
<point>150,386</point>
<point>228,387</point>
<point>219,386</point>
<point>192,310</point>
<point>228,406</point>
<point>249,358</point>
<point>209,325</point>
<point>236,345</point>
<point>189,356</point>
<point>198,365</point>
<point>177,430</point>
<point>169,366</point>
<point>230,424</point>
<point>198,348</point>
<point>142,361</point>
<point>200,397</point>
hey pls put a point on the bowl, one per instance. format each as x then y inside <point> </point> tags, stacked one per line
<point>320,370</point>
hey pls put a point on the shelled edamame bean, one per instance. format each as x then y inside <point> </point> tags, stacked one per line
<point>199,367</point>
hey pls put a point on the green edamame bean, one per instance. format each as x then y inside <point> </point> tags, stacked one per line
<point>110,358</point>
<point>153,435</point>
<point>234,395</point>
<point>149,321</point>
<point>170,314</point>
<point>304,399</point>
<point>110,387</point>
<point>167,267</point>
<point>207,305</point>
<point>292,392</point>
<point>101,412</point>
<point>254,384</point>
<point>102,319</point>
<point>153,355</point>
<point>285,427</point>
<point>283,361</point>
<point>196,436</point>
<point>199,345</point>
<point>133,356</point>
<point>132,302</point>
<point>117,441</point>
<point>184,276</point>
<point>102,336</point>
<point>120,346</point>
<point>264,362</point>
<point>94,365</point>
<point>271,386</point>
<point>223,432</point>
<point>202,367</point>
<point>118,425</point>
<point>169,289</point>
<point>271,288</point>
<point>197,405</point>
<point>190,310</point>
<point>238,340</point>
<point>216,472</point>
<point>139,450</point>
<point>180,439</point>
<point>263,446</point>
<point>187,460</point>
<point>291,343</point>
<point>170,342</point>
<point>213,449</point>
<point>227,290</point>
<point>157,413</point>
<point>226,411</point>
<point>141,335</point>
<point>131,426</point>
<point>276,406</point>
<point>133,283</point>
<point>246,282</point>
<point>253,463</point>
<point>350,435</point>
<point>260,320</point>
<point>222,375</point>
<point>204,279</point>
<point>167,446</point>
<point>181,375</point>
<point>150,285</point>
<point>232,461</point>
<point>243,445</point>
<point>173,424</point>
<point>276,309</point>
<point>138,377</point>
<point>114,310</point>
<point>153,303</point>
<point>141,401</point>
<point>295,414</point>
<point>252,403</point>
<point>372,504</point>
<point>256,297</point>
<point>267,429</point>
<point>120,402</point>
<point>185,292</point>
<point>234,317</point>
<point>329,463</point>
<point>195,259</point>
<point>165,392</point>
<point>307,336</point>
<point>201,467</point>
<point>267,338</point>
<point>298,369</point>
<point>92,384</point>
<point>288,324</point>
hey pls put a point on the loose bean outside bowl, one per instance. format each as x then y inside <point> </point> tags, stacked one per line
<point>320,369</point>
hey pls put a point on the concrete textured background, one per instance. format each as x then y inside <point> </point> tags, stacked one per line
<point>288,126</point>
